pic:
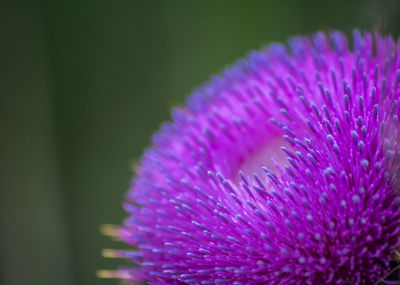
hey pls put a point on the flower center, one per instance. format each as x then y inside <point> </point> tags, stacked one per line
<point>268,156</point>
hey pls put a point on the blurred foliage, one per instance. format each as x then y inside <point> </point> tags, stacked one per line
<point>84,84</point>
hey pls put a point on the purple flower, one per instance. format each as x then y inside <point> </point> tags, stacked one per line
<point>283,170</point>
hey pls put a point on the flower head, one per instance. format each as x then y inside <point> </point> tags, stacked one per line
<point>283,170</point>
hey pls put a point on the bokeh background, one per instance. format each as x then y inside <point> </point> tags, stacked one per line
<point>84,84</point>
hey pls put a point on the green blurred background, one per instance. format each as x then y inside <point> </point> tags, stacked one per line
<point>84,84</point>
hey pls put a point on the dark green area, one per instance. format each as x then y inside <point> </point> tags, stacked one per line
<point>84,84</point>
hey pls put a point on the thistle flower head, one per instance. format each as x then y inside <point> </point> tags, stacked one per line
<point>283,170</point>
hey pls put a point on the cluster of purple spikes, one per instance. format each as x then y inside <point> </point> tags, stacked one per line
<point>283,170</point>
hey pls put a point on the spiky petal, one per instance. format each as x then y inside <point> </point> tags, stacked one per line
<point>283,170</point>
